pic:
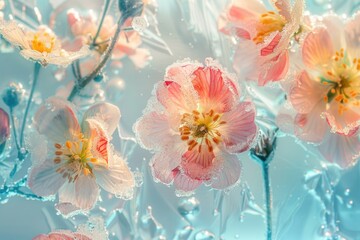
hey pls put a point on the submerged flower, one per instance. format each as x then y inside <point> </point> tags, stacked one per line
<point>41,45</point>
<point>326,94</point>
<point>264,36</point>
<point>84,29</point>
<point>196,126</point>
<point>80,156</point>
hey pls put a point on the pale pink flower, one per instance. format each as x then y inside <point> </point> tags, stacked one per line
<point>326,94</point>
<point>263,37</point>
<point>84,28</point>
<point>79,156</point>
<point>41,45</point>
<point>195,126</point>
<point>62,235</point>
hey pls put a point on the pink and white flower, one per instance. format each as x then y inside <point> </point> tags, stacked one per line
<point>263,37</point>
<point>41,45</point>
<point>79,155</point>
<point>84,28</point>
<point>326,93</point>
<point>196,125</point>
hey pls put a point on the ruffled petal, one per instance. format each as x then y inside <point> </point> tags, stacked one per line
<point>86,192</point>
<point>116,178</point>
<point>307,93</point>
<point>317,48</point>
<point>229,172</point>
<point>199,165</point>
<point>153,130</point>
<point>340,149</point>
<point>343,121</point>
<point>283,7</point>
<point>216,90</point>
<point>105,113</point>
<point>44,180</point>
<point>56,120</point>
<point>240,129</point>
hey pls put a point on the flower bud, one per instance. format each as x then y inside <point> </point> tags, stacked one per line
<point>13,94</point>
<point>264,150</point>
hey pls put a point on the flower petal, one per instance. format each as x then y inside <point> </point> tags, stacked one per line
<point>311,126</point>
<point>307,93</point>
<point>13,33</point>
<point>86,191</point>
<point>229,173</point>
<point>116,178</point>
<point>216,90</point>
<point>317,48</point>
<point>163,165</point>
<point>141,57</point>
<point>343,121</point>
<point>239,130</point>
<point>105,113</point>
<point>352,36</point>
<point>341,149</point>
<point>56,120</point>
<point>95,132</point>
<point>44,180</point>
<point>199,165</point>
<point>283,7</point>
<point>185,184</point>
<point>153,130</point>
<point>274,69</point>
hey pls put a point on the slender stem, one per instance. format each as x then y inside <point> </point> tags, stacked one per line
<point>86,79</point>
<point>14,130</point>
<point>36,76</point>
<point>266,180</point>
<point>106,7</point>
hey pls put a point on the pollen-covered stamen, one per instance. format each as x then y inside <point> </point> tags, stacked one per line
<point>269,22</point>
<point>343,77</point>
<point>200,130</point>
<point>42,41</point>
<point>73,158</point>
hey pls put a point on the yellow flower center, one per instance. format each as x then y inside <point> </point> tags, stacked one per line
<point>43,41</point>
<point>269,22</point>
<point>198,129</point>
<point>343,75</point>
<point>73,158</point>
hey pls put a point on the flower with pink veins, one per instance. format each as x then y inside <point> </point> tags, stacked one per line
<point>196,125</point>
<point>326,94</point>
<point>263,37</point>
<point>79,155</point>
<point>84,28</point>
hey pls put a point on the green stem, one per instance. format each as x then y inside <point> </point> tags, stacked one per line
<point>268,204</point>
<point>36,76</point>
<point>106,7</point>
<point>86,79</point>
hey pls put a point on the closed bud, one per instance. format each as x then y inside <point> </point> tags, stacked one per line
<point>13,94</point>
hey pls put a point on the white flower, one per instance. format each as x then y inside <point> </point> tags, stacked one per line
<point>41,45</point>
<point>79,155</point>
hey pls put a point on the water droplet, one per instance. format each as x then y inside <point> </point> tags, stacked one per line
<point>189,206</point>
<point>350,204</point>
<point>347,192</point>
<point>139,24</point>
<point>184,233</point>
<point>150,228</point>
<point>204,235</point>
<point>115,89</point>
